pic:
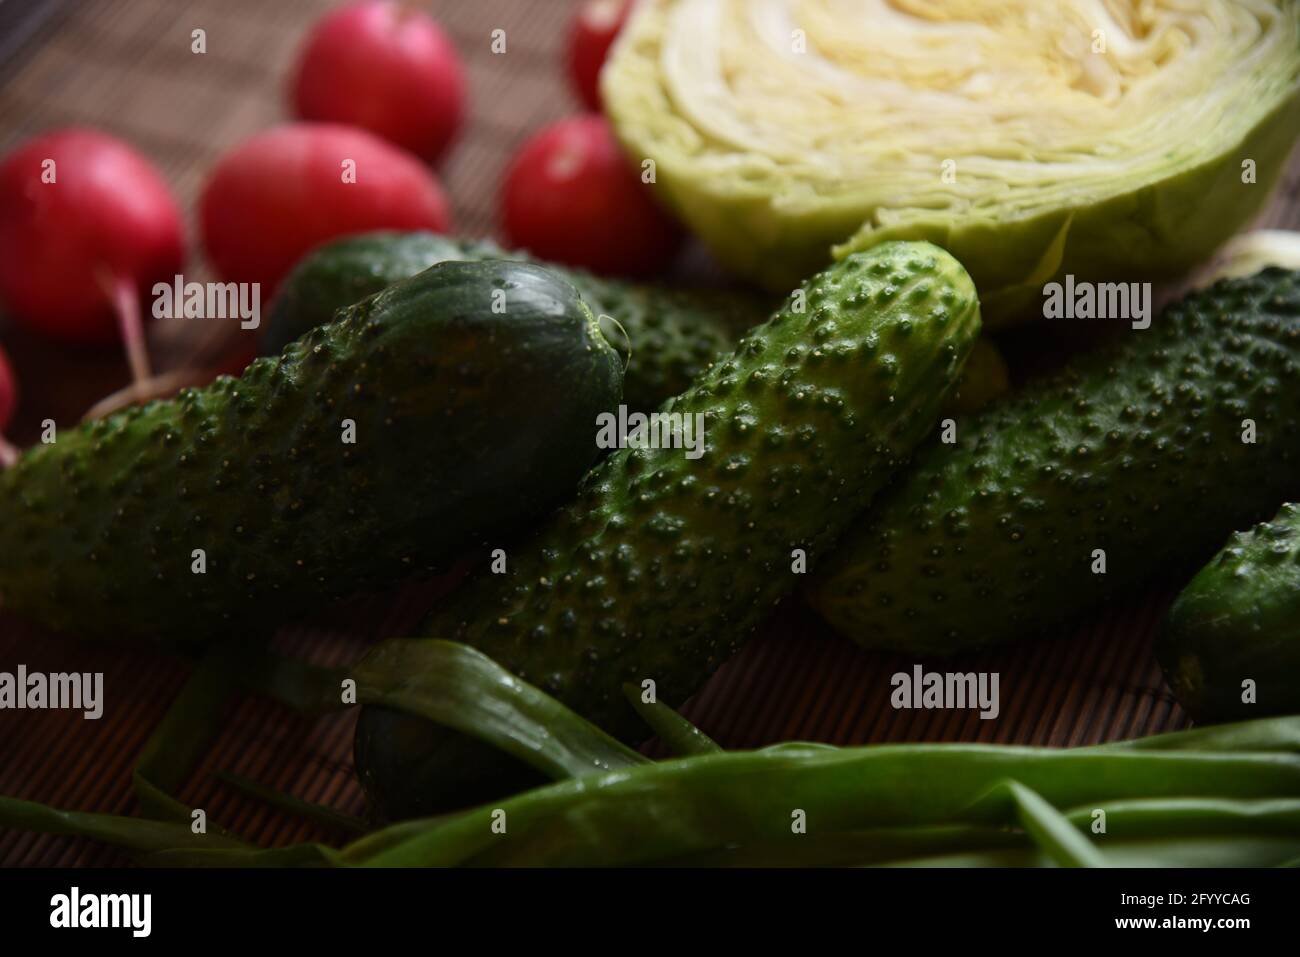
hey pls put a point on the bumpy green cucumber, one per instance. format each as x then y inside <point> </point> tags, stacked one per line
<point>672,334</point>
<point>374,447</point>
<point>1135,460</point>
<point>665,564</point>
<point>1239,621</point>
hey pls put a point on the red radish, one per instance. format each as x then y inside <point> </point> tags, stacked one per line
<point>290,188</point>
<point>86,225</point>
<point>8,400</point>
<point>572,196</point>
<point>8,392</point>
<point>387,68</point>
<point>593,31</point>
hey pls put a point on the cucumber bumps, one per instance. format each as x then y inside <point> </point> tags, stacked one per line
<point>1239,621</point>
<point>673,334</point>
<point>666,563</point>
<point>1132,462</point>
<point>375,447</point>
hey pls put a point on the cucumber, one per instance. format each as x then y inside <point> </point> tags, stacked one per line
<point>1136,451</point>
<point>467,421</point>
<point>1239,620</point>
<point>664,565</point>
<point>673,334</point>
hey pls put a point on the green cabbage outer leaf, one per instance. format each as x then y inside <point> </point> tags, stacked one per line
<point>1122,164</point>
<point>1248,253</point>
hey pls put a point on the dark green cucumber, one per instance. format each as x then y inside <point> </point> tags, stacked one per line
<point>467,421</point>
<point>672,334</point>
<point>1136,451</point>
<point>664,565</point>
<point>1239,621</point>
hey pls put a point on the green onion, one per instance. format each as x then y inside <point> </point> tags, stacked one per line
<point>453,685</point>
<point>677,734</point>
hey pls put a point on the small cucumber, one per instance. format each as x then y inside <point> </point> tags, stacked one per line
<point>664,564</point>
<point>375,447</point>
<point>673,334</point>
<point>1230,646</point>
<point>1132,462</point>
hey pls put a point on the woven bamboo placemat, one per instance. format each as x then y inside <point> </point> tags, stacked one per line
<point>126,66</point>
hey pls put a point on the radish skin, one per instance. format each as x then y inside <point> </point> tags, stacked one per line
<point>8,401</point>
<point>387,68</point>
<point>86,223</point>
<point>277,195</point>
<point>571,196</point>
<point>593,31</point>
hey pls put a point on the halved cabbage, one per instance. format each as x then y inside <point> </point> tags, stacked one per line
<point>1106,138</point>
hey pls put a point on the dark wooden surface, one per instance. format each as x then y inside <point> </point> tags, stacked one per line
<point>127,67</point>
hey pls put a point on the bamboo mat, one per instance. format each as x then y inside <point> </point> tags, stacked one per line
<point>127,67</point>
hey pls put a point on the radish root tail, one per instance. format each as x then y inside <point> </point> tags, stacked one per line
<point>126,305</point>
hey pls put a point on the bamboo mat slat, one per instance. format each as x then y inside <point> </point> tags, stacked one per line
<point>127,67</point>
